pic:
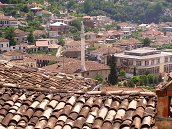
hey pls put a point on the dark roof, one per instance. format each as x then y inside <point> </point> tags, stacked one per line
<point>73,66</point>
<point>27,77</point>
<point>26,108</point>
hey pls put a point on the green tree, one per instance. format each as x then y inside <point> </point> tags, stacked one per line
<point>61,41</point>
<point>134,71</point>
<point>150,78</point>
<point>76,23</point>
<point>30,38</point>
<point>122,73</point>
<point>146,42</point>
<point>10,34</point>
<point>135,79</point>
<point>118,27</point>
<point>113,76</point>
<point>99,78</point>
<point>88,5</point>
<point>143,80</point>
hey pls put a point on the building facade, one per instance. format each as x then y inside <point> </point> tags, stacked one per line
<point>4,45</point>
<point>145,60</point>
<point>6,21</point>
<point>57,29</point>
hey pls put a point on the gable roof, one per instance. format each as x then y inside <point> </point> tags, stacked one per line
<point>4,40</point>
<point>9,18</point>
<point>73,66</point>
<point>19,32</point>
<point>130,41</point>
<point>108,50</point>
<point>41,43</point>
<point>36,79</point>
<point>25,108</point>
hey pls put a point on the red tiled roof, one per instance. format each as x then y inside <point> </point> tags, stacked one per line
<point>108,50</point>
<point>39,32</point>
<point>28,108</point>
<point>19,32</point>
<point>42,57</point>
<point>130,41</point>
<point>14,53</point>
<point>73,66</point>
<point>24,77</point>
<point>10,18</point>
<point>42,43</point>
<point>72,43</point>
<point>32,99</point>
<point>4,40</point>
<point>152,32</point>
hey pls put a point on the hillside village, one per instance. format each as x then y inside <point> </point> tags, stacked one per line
<point>60,69</point>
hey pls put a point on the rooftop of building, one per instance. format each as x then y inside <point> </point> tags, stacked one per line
<point>9,18</point>
<point>35,99</point>
<point>108,50</point>
<point>82,110</point>
<point>73,66</point>
<point>39,79</point>
<point>4,40</point>
<point>58,24</point>
<point>143,53</point>
<point>14,53</point>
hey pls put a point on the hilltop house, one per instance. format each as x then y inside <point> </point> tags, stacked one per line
<point>101,54</point>
<point>57,29</point>
<point>6,21</point>
<point>20,36</point>
<point>4,45</point>
<point>145,60</point>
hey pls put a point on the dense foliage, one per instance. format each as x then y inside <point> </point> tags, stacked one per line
<point>139,11</point>
<point>113,76</point>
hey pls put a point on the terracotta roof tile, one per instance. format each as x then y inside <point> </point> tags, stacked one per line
<point>77,110</point>
<point>108,50</point>
<point>73,66</point>
<point>22,77</point>
<point>38,108</point>
<point>4,40</point>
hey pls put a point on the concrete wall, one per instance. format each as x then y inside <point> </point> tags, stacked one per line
<point>163,123</point>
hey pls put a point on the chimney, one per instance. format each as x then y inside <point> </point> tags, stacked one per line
<point>82,48</point>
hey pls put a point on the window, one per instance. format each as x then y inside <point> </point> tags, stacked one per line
<point>171,59</point>
<point>138,63</point>
<point>146,63</point>
<point>166,68</point>
<point>158,61</point>
<point>152,62</point>
<point>156,69</point>
<point>166,59</point>
<point>130,62</point>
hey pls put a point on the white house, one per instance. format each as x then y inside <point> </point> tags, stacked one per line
<point>58,28</point>
<point>8,21</point>
<point>4,44</point>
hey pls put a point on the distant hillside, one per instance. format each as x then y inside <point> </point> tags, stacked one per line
<point>140,11</point>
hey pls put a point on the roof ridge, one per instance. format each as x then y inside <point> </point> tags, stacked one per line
<point>37,89</point>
